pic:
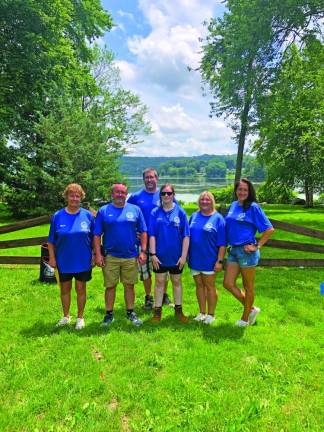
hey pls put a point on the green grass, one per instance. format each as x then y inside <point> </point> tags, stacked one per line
<point>167,377</point>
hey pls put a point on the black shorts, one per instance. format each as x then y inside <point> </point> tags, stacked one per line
<point>170,269</point>
<point>81,277</point>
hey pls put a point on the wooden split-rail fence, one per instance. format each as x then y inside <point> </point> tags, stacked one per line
<point>266,262</point>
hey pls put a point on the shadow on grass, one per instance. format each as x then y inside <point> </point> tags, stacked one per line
<point>213,334</point>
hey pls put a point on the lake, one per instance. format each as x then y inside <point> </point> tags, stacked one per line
<point>187,189</point>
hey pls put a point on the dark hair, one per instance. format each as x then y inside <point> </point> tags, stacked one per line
<point>163,187</point>
<point>150,170</point>
<point>251,196</point>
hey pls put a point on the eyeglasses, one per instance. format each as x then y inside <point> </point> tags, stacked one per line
<point>166,193</point>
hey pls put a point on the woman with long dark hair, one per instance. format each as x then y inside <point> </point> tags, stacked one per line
<point>244,218</point>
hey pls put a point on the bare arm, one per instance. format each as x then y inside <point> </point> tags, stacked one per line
<point>51,252</point>
<point>99,259</point>
<point>142,255</point>
<point>155,260</point>
<point>185,246</point>
<point>221,253</point>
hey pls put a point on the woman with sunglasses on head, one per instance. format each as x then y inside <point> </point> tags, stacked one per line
<point>243,220</point>
<point>206,254</point>
<point>169,243</point>
<point>70,251</point>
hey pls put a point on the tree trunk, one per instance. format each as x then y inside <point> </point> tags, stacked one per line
<point>309,194</point>
<point>241,141</point>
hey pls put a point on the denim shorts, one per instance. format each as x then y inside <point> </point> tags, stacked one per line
<point>244,259</point>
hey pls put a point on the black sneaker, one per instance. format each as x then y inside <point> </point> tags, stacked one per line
<point>148,305</point>
<point>131,316</point>
<point>166,300</point>
<point>108,319</point>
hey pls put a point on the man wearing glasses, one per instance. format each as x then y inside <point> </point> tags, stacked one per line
<point>146,199</point>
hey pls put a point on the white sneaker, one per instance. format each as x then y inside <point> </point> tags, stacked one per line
<point>79,324</point>
<point>200,317</point>
<point>209,319</point>
<point>63,322</point>
<point>241,323</point>
<point>253,315</point>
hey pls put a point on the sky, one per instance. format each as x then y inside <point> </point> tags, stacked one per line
<point>154,42</point>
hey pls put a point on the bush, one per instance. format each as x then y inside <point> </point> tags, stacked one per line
<point>274,193</point>
<point>223,195</point>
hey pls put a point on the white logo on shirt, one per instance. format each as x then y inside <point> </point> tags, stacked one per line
<point>130,216</point>
<point>208,226</point>
<point>62,225</point>
<point>84,226</point>
<point>241,217</point>
<point>176,221</point>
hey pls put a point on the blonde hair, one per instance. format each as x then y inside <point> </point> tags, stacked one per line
<point>73,187</point>
<point>209,195</point>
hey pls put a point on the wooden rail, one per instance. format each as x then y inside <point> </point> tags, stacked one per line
<point>25,224</point>
<point>281,244</point>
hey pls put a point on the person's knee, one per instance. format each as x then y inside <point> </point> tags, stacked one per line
<point>227,284</point>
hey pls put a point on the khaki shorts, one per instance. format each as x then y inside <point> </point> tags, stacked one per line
<point>119,269</point>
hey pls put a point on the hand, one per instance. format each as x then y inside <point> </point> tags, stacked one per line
<point>250,248</point>
<point>99,260</point>
<point>52,262</point>
<point>156,262</point>
<point>142,258</point>
<point>181,262</point>
<point>218,267</point>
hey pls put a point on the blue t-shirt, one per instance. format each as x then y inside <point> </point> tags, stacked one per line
<point>119,227</point>
<point>72,235</point>
<point>169,229</point>
<point>146,201</point>
<point>242,225</point>
<point>207,233</point>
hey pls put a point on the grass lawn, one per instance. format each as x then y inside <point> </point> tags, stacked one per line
<point>165,377</point>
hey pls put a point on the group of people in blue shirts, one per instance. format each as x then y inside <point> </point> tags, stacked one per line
<point>150,233</point>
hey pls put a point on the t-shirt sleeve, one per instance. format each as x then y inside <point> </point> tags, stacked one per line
<point>185,224</point>
<point>98,223</point>
<point>152,224</point>
<point>260,219</point>
<point>141,225</point>
<point>221,233</point>
<point>51,234</point>
<point>131,199</point>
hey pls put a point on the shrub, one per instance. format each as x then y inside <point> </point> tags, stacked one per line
<point>223,195</point>
<point>274,193</point>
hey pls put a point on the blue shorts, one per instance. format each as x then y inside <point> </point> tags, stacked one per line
<point>244,259</point>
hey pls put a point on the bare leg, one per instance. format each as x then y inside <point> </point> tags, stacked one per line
<point>160,279</point>
<point>177,288</point>
<point>110,295</point>
<point>129,294</point>
<point>66,297</point>
<point>147,285</point>
<point>209,284</point>
<point>231,275</point>
<point>200,293</point>
<point>248,276</point>
<point>80,288</point>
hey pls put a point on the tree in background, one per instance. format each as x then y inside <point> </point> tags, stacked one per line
<point>242,51</point>
<point>63,109</point>
<point>292,122</point>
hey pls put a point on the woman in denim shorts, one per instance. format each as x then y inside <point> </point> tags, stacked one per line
<point>243,220</point>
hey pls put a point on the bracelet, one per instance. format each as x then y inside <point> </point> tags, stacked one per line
<point>152,254</point>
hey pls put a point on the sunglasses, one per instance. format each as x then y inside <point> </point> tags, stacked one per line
<point>166,193</point>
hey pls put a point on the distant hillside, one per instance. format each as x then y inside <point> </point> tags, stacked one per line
<point>134,165</point>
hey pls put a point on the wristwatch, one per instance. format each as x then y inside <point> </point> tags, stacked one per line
<point>220,261</point>
<point>152,254</point>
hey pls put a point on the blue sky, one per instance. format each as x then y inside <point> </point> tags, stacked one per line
<point>154,41</point>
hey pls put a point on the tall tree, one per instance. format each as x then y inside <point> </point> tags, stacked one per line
<point>242,50</point>
<point>45,46</point>
<point>80,140</point>
<point>292,122</point>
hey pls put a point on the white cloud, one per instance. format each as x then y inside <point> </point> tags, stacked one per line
<point>178,113</point>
